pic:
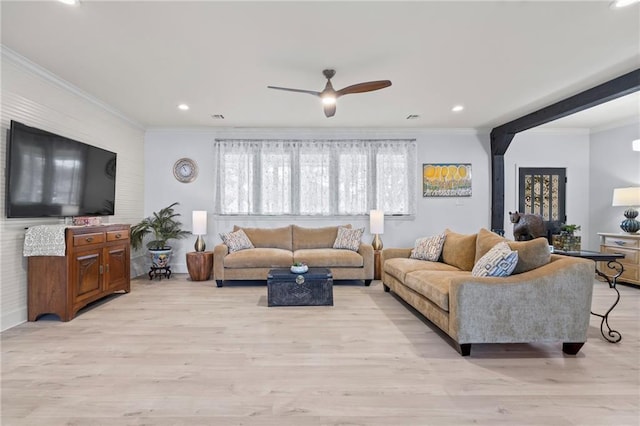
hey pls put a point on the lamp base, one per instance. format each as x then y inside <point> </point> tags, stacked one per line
<point>200,245</point>
<point>630,224</point>
<point>377,242</point>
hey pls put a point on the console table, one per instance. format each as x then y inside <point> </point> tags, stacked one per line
<point>612,262</point>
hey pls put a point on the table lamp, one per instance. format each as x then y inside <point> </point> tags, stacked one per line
<point>199,228</point>
<point>376,227</point>
<point>628,197</point>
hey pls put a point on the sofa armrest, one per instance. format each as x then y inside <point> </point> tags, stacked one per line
<point>549,303</point>
<point>366,251</point>
<point>390,253</point>
<point>219,253</point>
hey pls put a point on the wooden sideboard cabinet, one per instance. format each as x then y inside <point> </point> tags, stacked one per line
<point>629,245</point>
<point>96,264</point>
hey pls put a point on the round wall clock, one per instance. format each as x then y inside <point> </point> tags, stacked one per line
<point>185,170</point>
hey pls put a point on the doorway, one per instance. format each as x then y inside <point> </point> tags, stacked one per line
<point>543,191</point>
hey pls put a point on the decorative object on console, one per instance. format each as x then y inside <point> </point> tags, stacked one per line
<point>199,228</point>
<point>628,197</point>
<point>164,226</point>
<point>87,220</point>
<point>376,227</point>
<point>446,180</point>
<point>567,240</point>
<point>185,170</point>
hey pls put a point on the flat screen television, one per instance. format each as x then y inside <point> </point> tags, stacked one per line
<point>52,176</point>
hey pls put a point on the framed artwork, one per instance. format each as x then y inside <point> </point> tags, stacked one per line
<point>446,180</point>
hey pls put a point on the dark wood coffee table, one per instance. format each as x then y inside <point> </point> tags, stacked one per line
<point>313,288</point>
<point>612,336</point>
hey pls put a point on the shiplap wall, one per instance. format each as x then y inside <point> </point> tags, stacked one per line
<point>37,98</point>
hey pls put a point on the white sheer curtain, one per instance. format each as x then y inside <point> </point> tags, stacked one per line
<point>315,177</point>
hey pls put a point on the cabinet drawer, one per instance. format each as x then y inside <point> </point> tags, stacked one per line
<point>630,256</point>
<point>622,242</point>
<point>88,239</point>
<point>118,235</point>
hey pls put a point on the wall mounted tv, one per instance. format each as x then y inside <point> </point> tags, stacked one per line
<point>52,176</point>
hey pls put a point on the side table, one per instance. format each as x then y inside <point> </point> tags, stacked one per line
<point>200,265</point>
<point>612,262</point>
<point>377,267</point>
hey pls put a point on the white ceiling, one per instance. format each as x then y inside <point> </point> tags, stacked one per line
<point>499,59</point>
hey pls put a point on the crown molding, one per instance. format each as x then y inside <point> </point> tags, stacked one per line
<point>35,69</point>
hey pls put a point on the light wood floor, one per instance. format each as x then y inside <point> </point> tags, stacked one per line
<point>176,352</point>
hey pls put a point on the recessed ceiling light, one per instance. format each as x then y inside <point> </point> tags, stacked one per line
<point>617,4</point>
<point>457,108</point>
<point>183,107</point>
<point>70,2</point>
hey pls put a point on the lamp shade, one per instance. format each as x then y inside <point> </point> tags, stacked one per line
<point>626,197</point>
<point>376,222</point>
<point>199,222</point>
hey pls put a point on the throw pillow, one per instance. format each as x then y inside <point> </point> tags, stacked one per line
<point>500,261</point>
<point>348,239</point>
<point>428,248</point>
<point>236,240</point>
<point>459,250</point>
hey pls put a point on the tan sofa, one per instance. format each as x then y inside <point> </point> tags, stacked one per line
<point>547,298</point>
<point>281,247</point>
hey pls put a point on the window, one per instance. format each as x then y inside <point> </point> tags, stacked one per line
<point>315,177</point>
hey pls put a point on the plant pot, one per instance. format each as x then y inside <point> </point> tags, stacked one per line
<point>160,258</point>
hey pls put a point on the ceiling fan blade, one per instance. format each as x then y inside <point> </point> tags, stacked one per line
<point>310,92</point>
<point>329,110</point>
<point>369,86</point>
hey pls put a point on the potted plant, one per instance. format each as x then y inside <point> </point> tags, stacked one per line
<point>164,226</point>
<point>567,240</point>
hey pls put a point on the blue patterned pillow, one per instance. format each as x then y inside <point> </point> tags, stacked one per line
<point>500,261</point>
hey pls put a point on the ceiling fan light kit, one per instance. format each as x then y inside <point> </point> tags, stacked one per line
<point>329,95</point>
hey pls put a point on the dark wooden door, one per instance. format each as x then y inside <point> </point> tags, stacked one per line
<point>543,191</point>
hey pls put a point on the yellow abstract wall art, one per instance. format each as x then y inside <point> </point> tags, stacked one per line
<point>446,180</point>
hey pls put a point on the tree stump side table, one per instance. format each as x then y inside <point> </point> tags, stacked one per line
<point>200,265</point>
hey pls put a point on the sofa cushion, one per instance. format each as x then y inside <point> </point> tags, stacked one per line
<point>486,241</point>
<point>311,238</point>
<point>459,250</point>
<point>348,239</point>
<point>428,248</point>
<point>399,267</point>
<point>500,261</point>
<point>531,254</point>
<point>269,237</point>
<point>236,240</point>
<point>329,258</point>
<point>434,285</point>
<point>259,258</point>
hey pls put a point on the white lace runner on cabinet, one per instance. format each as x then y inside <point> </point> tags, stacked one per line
<point>44,240</point>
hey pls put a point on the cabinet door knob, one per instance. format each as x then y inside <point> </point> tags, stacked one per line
<point>620,243</point>
<point>89,239</point>
<point>118,235</point>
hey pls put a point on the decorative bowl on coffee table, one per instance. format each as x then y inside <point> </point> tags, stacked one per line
<point>299,269</point>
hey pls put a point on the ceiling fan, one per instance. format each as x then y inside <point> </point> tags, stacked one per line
<point>329,94</point>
